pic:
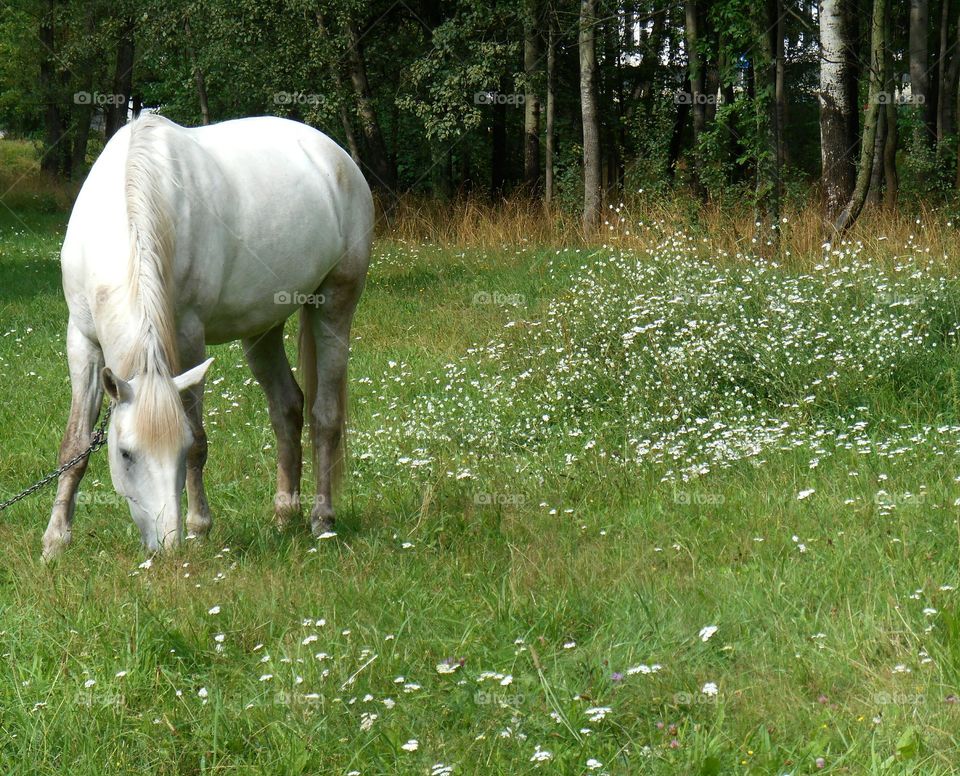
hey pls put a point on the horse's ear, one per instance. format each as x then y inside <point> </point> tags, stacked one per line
<point>192,377</point>
<point>117,388</point>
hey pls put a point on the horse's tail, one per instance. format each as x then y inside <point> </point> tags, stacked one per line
<point>340,454</point>
<point>307,367</point>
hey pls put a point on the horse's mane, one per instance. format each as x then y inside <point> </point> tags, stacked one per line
<point>152,357</point>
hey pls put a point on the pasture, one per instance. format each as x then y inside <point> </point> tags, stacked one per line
<point>645,507</point>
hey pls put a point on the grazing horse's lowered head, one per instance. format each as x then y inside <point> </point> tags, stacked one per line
<point>148,441</point>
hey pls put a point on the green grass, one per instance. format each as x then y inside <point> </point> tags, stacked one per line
<point>602,555</point>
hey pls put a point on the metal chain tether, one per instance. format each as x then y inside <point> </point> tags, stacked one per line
<point>99,439</point>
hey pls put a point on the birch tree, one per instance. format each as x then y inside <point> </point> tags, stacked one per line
<point>590,115</point>
<point>836,110</point>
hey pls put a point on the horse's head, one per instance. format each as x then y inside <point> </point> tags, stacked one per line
<point>148,441</point>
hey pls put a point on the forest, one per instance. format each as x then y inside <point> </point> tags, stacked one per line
<point>578,105</point>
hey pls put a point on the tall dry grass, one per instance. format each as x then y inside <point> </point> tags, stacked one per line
<point>24,187</point>
<point>725,230</point>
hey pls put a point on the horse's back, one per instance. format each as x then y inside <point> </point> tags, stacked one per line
<point>279,152</point>
<point>262,208</point>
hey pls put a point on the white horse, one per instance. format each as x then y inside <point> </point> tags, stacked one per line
<point>181,237</point>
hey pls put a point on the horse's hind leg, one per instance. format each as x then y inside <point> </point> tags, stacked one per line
<point>269,364</point>
<point>85,360</point>
<point>329,320</point>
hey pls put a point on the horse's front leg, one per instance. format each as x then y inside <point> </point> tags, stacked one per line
<point>85,360</point>
<point>199,519</point>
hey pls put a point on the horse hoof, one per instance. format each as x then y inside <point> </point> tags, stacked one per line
<point>322,527</point>
<point>53,546</point>
<point>198,527</point>
<point>282,519</point>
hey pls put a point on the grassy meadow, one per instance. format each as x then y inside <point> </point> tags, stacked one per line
<point>672,504</point>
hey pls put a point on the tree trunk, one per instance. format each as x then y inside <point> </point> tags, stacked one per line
<point>676,139</point>
<point>837,170</point>
<point>948,73</point>
<point>532,57</point>
<point>352,146</point>
<point>122,80</point>
<point>466,176</point>
<point>551,104</point>
<point>857,56</point>
<point>83,115</point>
<point>616,129</point>
<point>698,105</point>
<point>498,151</point>
<point>647,69</point>
<point>333,67</point>
<point>878,60</point>
<point>198,76</point>
<point>876,173</point>
<point>378,162</point>
<point>768,183</point>
<point>944,53</point>
<point>733,149</point>
<point>50,162</point>
<point>591,117</point>
<point>891,181</point>
<point>780,92</point>
<point>919,67</point>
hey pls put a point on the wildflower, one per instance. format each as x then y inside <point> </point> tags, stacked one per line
<point>706,632</point>
<point>597,713</point>
<point>540,755</point>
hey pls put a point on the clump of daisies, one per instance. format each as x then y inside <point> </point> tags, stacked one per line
<point>668,358</point>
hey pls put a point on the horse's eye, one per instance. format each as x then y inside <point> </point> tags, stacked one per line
<point>127,456</point>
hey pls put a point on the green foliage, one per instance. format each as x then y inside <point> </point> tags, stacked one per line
<point>447,86</point>
<point>925,170</point>
<point>568,177</point>
<point>18,63</point>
